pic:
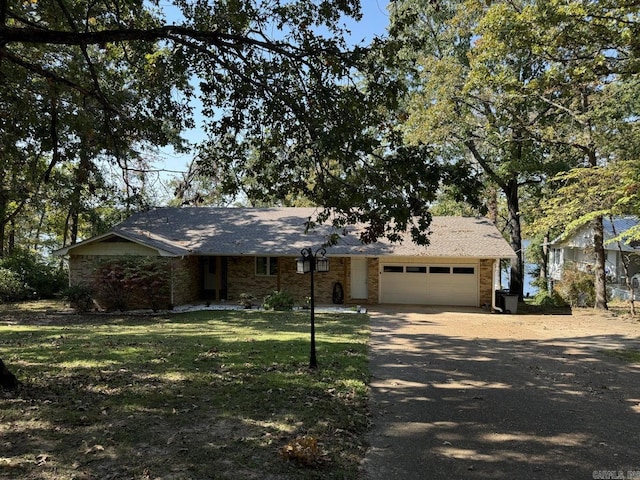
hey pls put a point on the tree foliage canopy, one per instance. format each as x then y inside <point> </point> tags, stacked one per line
<point>523,89</point>
<point>290,109</point>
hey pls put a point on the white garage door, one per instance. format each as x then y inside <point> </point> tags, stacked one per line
<point>429,284</point>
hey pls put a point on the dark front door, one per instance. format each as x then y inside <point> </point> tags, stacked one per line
<point>215,278</point>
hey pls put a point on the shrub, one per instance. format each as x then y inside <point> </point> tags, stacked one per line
<point>278,300</point>
<point>577,288</point>
<point>109,285</point>
<point>246,300</point>
<point>12,288</point>
<point>80,297</point>
<point>124,282</point>
<point>40,279</point>
<point>544,299</point>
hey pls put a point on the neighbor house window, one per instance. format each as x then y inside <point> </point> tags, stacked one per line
<point>266,265</point>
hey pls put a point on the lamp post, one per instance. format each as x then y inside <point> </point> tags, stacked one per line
<point>311,262</point>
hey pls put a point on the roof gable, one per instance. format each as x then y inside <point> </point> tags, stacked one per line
<point>583,237</point>
<point>158,246</point>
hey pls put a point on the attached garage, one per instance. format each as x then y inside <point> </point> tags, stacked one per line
<point>430,284</point>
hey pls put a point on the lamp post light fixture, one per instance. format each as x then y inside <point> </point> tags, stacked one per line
<point>311,262</point>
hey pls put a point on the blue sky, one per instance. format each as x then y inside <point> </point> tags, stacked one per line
<point>374,23</point>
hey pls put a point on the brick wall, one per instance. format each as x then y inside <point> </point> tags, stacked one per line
<point>486,282</point>
<point>243,279</point>
<point>187,280</point>
<point>373,265</point>
<point>82,270</point>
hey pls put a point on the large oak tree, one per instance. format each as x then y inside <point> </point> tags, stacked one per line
<point>522,88</point>
<point>290,108</point>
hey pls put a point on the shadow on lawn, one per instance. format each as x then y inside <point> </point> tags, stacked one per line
<point>165,397</point>
<point>453,407</point>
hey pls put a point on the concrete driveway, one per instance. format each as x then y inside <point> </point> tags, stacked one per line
<point>472,395</point>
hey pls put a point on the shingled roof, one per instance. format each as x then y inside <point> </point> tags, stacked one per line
<point>281,231</point>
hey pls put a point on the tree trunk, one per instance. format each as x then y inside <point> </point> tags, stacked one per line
<point>81,178</point>
<point>3,221</point>
<point>600,275</point>
<point>515,230</point>
<point>492,205</point>
<point>544,260</point>
<point>11,241</point>
<point>7,379</point>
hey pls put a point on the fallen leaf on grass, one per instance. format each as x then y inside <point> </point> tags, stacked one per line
<point>303,449</point>
<point>94,449</point>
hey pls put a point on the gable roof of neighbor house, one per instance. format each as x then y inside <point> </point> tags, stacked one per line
<point>281,231</point>
<point>583,237</point>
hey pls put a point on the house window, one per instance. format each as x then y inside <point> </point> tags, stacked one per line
<point>266,265</point>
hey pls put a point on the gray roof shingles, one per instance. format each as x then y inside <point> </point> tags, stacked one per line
<point>281,231</point>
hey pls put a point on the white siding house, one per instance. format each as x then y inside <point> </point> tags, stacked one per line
<point>577,251</point>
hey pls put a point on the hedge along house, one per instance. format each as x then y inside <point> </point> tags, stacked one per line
<point>217,254</point>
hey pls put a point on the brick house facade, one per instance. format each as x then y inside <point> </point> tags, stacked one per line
<point>215,255</point>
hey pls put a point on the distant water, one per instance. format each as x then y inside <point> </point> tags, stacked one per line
<point>528,278</point>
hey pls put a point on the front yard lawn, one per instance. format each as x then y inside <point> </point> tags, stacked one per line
<point>200,395</point>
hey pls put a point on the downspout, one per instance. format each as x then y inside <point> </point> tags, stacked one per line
<point>494,283</point>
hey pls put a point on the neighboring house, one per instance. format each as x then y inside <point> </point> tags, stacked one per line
<point>217,254</point>
<point>577,251</point>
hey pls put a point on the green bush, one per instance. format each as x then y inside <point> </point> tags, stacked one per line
<point>41,280</point>
<point>278,300</point>
<point>544,299</point>
<point>80,297</point>
<point>246,300</point>
<point>12,288</point>
<point>577,288</point>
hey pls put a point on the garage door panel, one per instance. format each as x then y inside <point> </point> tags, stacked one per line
<point>430,285</point>
<point>399,285</point>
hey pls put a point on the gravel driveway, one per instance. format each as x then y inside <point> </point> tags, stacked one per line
<point>472,395</point>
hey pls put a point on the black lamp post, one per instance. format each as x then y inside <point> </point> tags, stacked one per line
<point>311,262</point>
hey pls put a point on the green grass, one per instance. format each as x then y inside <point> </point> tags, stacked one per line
<point>199,395</point>
<point>630,355</point>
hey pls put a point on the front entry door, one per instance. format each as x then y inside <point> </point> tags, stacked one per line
<point>215,278</point>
